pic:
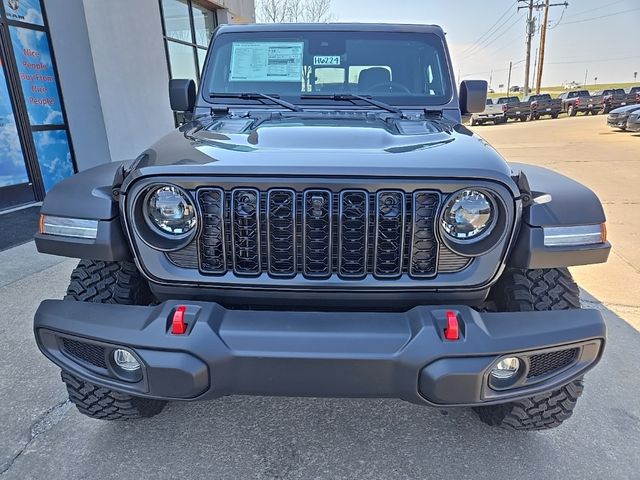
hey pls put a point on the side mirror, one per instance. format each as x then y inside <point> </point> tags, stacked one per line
<point>182,95</point>
<point>473,96</point>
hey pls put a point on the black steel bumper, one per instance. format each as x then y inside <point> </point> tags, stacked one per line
<point>324,354</point>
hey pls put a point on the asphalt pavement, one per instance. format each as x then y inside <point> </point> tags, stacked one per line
<point>43,437</point>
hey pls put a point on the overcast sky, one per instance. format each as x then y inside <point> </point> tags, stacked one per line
<point>601,36</point>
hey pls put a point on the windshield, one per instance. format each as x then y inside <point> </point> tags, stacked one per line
<point>393,67</point>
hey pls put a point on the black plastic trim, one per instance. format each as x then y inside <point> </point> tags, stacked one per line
<point>330,354</point>
<point>530,252</point>
<point>109,245</point>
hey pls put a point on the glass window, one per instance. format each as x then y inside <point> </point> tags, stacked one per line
<point>329,78</point>
<point>202,56</point>
<point>182,61</point>
<point>181,18</point>
<point>204,23</point>
<point>37,76</point>
<point>54,156</point>
<point>399,68</point>
<point>176,20</point>
<point>27,11</point>
<point>12,167</point>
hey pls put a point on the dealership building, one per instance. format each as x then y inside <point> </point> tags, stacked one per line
<point>84,82</point>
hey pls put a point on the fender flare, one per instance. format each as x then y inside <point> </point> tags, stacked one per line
<point>87,195</point>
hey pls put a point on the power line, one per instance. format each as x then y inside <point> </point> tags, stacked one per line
<point>601,16</point>
<point>598,60</point>
<point>493,40</point>
<point>559,20</point>
<point>582,12</point>
<point>492,26</point>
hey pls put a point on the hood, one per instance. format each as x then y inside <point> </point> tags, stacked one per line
<point>627,109</point>
<point>307,144</point>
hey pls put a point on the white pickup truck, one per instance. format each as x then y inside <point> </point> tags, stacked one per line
<point>492,112</point>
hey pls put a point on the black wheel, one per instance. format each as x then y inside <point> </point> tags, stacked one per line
<point>108,282</point>
<point>473,122</point>
<point>523,119</point>
<point>521,290</point>
<point>554,115</point>
<point>571,111</point>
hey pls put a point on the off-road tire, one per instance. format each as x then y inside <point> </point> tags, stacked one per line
<point>542,412</point>
<point>108,282</point>
<point>104,404</point>
<point>520,290</point>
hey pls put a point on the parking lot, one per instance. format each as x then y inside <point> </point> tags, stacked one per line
<point>607,161</point>
<point>42,436</point>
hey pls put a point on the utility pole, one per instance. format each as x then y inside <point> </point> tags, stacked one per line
<point>543,40</point>
<point>585,77</point>
<point>509,81</point>
<point>531,30</point>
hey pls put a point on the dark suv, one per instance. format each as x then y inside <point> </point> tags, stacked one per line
<point>324,226</point>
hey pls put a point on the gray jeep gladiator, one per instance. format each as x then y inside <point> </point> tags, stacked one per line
<point>323,225</point>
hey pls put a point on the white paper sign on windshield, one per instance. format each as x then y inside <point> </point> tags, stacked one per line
<point>267,61</point>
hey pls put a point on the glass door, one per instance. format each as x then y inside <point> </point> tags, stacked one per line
<point>16,187</point>
<point>35,147</point>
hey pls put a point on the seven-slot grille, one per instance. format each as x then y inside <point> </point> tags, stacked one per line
<point>319,232</point>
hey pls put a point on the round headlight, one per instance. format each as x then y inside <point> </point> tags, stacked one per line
<point>170,211</point>
<point>468,214</point>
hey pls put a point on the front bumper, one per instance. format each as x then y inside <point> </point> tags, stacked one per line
<point>633,126</point>
<point>320,354</point>
<point>617,122</point>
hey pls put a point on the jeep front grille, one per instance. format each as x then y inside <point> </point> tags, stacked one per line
<point>318,233</point>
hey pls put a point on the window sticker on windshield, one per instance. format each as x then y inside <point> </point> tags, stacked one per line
<point>326,60</point>
<point>266,62</point>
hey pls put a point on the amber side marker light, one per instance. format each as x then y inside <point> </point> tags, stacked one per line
<point>68,227</point>
<point>576,235</point>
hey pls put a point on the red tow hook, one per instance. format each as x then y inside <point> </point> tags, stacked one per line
<point>452,332</point>
<point>178,325</point>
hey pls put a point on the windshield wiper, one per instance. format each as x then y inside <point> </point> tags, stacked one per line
<point>350,97</point>
<point>258,96</point>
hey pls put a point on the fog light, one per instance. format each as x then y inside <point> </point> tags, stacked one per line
<point>506,368</point>
<point>125,360</point>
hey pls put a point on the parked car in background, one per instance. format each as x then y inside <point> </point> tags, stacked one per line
<point>633,123</point>
<point>618,117</point>
<point>542,104</point>
<point>609,99</point>
<point>516,110</point>
<point>577,101</point>
<point>515,89</point>
<point>633,96</point>
<point>492,113</point>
